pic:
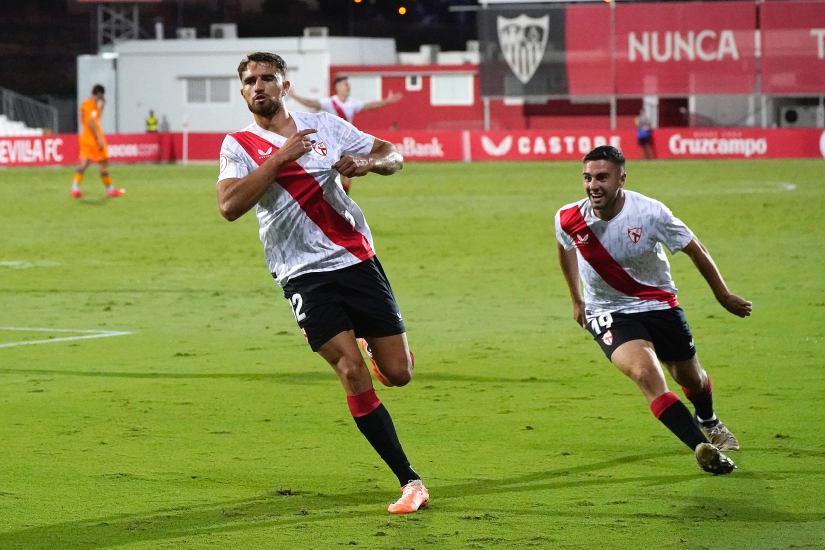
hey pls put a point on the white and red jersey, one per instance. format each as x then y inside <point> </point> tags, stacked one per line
<point>308,223</point>
<point>621,261</point>
<point>344,109</point>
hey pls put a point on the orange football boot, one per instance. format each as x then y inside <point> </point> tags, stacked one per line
<point>116,193</point>
<point>414,496</point>
<point>366,347</point>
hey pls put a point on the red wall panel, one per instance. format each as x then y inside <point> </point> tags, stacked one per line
<point>685,48</point>
<point>793,47</point>
<point>588,46</point>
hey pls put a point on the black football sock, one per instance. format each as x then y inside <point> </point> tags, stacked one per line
<point>703,404</point>
<point>675,415</point>
<point>374,421</point>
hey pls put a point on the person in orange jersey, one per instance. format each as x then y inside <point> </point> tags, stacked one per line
<point>92,144</point>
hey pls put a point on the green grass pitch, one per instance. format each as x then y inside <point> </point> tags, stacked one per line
<point>213,426</point>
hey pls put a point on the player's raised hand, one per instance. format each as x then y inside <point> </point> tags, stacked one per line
<point>393,97</point>
<point>353,166</point>
<point>296,146</point>
<point>736,305</point>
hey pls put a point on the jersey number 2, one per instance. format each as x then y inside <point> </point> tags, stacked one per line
<point>297,304</point>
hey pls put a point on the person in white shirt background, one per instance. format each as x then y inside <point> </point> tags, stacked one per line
<point>345,106</point>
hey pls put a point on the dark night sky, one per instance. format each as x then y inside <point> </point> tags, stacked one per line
<point>40,39</point>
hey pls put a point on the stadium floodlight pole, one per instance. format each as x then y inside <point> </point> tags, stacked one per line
<point>757,89</point>
<point>613,68</point>
<point>486,100</point>
<point>185,139</point>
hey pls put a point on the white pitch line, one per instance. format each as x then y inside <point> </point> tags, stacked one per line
<point>89,334</point>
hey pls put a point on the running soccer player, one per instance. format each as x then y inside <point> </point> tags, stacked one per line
<point>92,144</point>
<point>345,106</point>
<point>318,246</point>
<point>613,240</point>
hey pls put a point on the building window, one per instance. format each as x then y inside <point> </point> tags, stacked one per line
<point>413,83</point>
<point>451,89</point>
<point>208,90</point>
<point>219,90</point>
<point>196,90</point>
<point>365,87</point>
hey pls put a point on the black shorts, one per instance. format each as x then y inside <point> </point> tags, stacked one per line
<point>356,298</point>
<point>644,140</point>
<point>666,329</point>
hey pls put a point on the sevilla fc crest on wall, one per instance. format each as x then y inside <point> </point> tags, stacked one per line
<point>523,40</point>
<point>635,233</point>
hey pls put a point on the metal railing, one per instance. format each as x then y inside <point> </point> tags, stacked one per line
<point>33,114</point>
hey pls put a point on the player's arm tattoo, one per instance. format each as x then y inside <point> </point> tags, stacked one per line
<point>383,159</point>
<point>386,160</point>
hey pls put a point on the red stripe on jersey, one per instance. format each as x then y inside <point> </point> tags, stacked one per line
<point>310,197</point>
<point>339,109</point>
<point>604,264</point>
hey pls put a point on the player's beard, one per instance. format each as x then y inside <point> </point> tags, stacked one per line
<point>268,109</point>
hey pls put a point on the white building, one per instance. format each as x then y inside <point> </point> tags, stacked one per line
<point>195,81</point>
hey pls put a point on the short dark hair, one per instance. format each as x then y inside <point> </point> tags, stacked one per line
<point>338,79</point>
<point>265,58</point>
<point>608,153</point>
<point>98,89</point>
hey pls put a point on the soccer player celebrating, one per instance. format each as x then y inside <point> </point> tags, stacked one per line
<point>92,144</point>
<point>318,246</point>
<point>345,106</point>
<point>612,240</point>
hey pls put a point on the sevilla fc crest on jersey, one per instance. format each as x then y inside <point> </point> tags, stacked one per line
<point>608,338</point>
<point>635,233</point>
<point>320,148</point>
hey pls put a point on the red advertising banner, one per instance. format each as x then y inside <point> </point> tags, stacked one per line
<point>793,47</point>
<point>413,145</point>
<point>38,151</point>
<point>686,143</point>
<point>668,143</point>
<point>685,48</point>
<point>199,147</point>
<point>429,145</point>
<point>61,149</point>
<point>588,50</point>
<point>550,145</point>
